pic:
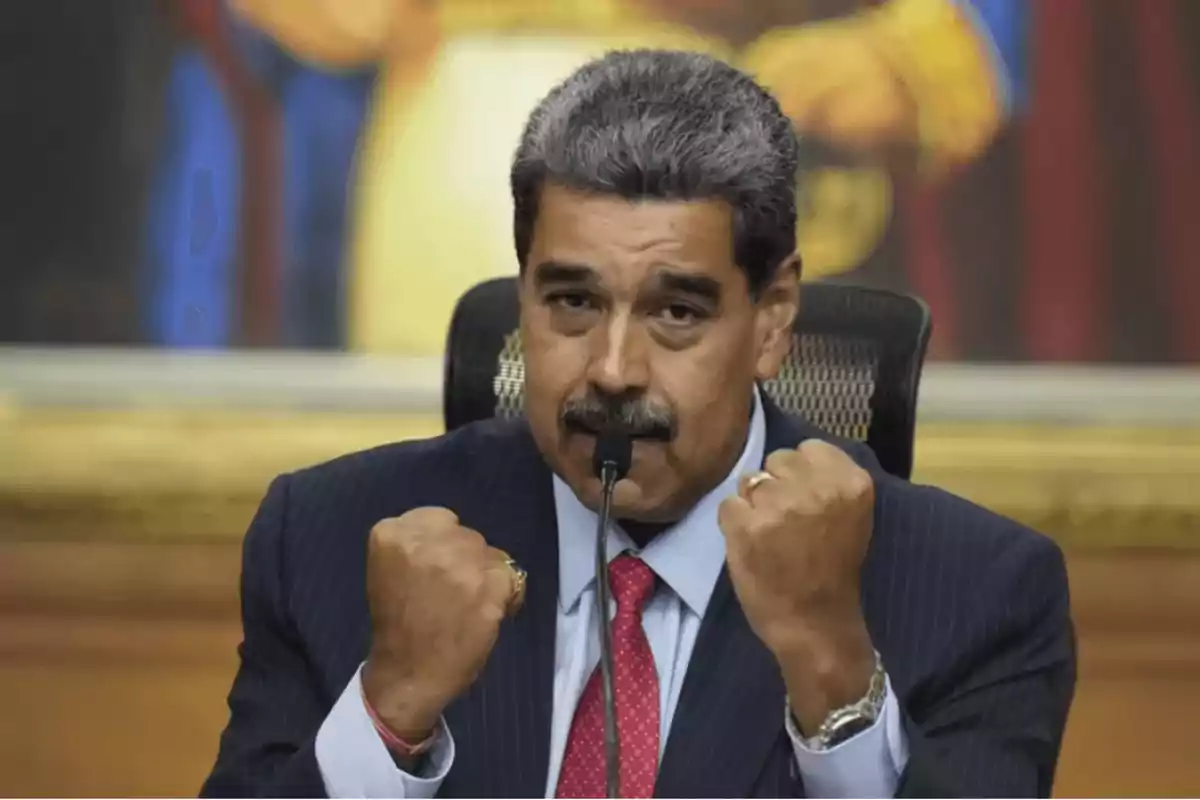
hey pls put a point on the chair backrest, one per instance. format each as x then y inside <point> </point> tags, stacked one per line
<point>854,367</point>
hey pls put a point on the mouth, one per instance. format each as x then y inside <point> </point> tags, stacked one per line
<point>651,435</point>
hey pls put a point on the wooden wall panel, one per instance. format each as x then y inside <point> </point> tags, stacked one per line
<point>115,660</point>
<point>1132,736</point>
<point>79,727</point>
<point>1136,719</point>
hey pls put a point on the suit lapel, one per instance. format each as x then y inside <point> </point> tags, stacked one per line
<point>731,709</point>
<point>501,726</point>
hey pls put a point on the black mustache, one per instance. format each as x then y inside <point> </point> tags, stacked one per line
<point>636,418</point>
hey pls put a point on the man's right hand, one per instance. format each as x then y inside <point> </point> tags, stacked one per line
<point>437,594</point>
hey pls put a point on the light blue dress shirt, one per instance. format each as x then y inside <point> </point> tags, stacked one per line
<point>688,558</point>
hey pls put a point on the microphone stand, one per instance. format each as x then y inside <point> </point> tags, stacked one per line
<point>611,462</point>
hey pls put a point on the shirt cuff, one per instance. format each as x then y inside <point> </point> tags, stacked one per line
<point>868,764</point>
<point>354,761</point>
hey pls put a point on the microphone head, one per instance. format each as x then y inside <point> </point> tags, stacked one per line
<point>613,455</point>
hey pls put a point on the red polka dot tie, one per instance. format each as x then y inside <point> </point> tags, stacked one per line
<point>635,684</point>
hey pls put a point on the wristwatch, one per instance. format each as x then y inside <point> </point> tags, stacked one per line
<point>848,721</point>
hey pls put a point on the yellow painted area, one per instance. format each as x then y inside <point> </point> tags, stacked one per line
<point>946,64</point>
<point>431,212</point>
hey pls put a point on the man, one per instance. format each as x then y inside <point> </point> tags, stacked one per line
<point>788,618</point>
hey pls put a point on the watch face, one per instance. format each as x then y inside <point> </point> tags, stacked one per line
<point>848,730</point>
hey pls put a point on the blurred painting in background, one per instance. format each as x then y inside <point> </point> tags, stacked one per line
<point>332,174</point>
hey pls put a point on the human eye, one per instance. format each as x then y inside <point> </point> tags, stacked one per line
<point>570,300</point>
<point>680,314</point>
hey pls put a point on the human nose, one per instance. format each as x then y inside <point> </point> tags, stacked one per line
<point>618,359</point>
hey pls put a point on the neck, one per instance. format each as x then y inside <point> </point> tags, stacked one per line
<point>642,533</point>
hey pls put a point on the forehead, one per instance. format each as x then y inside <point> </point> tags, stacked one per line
<point>626,240</point>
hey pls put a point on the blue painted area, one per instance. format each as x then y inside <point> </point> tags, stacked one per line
<point>1006,23</point>
<point>192,220</point>
<point>323,116</point>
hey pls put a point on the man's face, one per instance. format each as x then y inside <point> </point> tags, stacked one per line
<point>634,314</point>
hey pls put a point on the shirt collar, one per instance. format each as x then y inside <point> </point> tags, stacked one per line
<point>688,556</point>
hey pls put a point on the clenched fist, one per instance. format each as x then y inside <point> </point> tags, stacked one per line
<point>796,535</point>
<point>437,594</point>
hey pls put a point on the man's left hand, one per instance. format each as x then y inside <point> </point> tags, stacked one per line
<point>795,540</point>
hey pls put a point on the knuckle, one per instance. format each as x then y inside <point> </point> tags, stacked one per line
<point>494,556</point>
<point>727,514</point>
<point>430,518</point>
<point>387,528</point>
<point>471,537</point>
<point>818,448</point>
<point>391,536</point>
<point>779,460</point>
<point>860,484</point>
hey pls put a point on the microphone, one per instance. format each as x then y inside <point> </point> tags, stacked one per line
<point>610,463</point>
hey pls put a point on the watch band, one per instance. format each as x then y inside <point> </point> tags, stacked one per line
<point>845,722</point>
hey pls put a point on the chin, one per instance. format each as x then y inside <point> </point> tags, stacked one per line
<point>632,501</point>
<point>632,497</point>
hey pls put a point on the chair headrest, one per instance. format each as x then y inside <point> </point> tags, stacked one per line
<point>853,370</point>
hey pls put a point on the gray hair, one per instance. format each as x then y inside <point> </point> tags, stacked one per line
<point>670,125</point>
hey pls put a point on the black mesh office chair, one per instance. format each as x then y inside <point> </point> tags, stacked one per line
<point>853,371</point>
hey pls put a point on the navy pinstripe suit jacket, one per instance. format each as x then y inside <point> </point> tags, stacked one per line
<point>969,611</point>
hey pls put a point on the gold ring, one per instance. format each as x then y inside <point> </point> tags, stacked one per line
<point>518,591</point>
<point>756,480</point>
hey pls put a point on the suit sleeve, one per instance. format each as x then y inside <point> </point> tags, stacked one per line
<point>275,708</point>
<point>996,727</point>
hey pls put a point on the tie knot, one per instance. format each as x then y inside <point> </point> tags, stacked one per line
<point>632,582</point>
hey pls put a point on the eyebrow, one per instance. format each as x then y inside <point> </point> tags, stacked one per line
<point>699,286</point>
<point>663,279</point>
<point>549,272</point>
